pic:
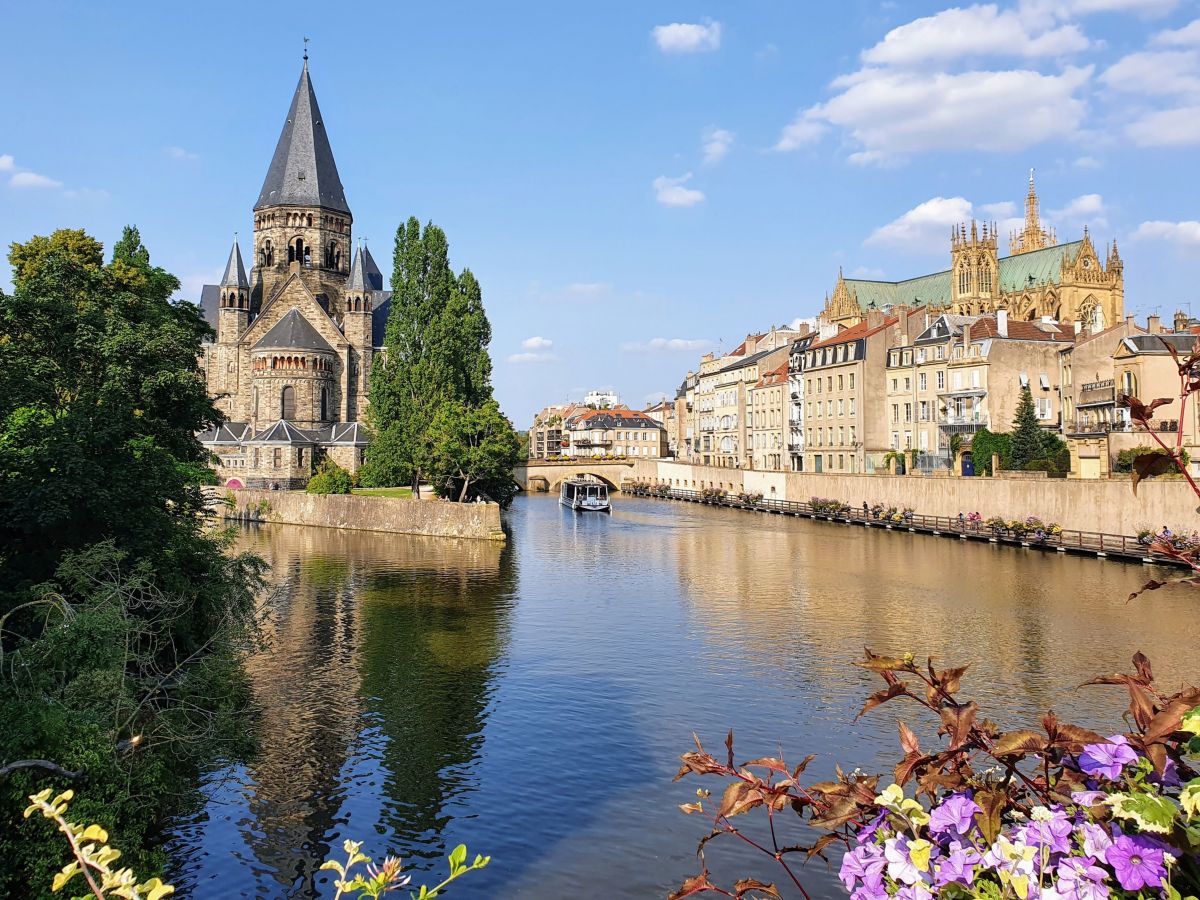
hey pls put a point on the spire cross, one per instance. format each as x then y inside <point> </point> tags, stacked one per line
<point>306,49</point>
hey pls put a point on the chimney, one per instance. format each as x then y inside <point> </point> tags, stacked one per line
<point>966,337</point>
<point>874,318</point>
<point>1002,322</point>
<point>1154,324</point>
<point>1078,326</point>
<point>1181,321</point>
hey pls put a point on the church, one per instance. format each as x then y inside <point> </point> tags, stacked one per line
<point>297,336</point>
<point>1039,278</point>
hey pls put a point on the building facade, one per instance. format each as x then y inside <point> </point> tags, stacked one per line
<point>296,337</point>
<point>1040,277</point>
<point>619,432</point>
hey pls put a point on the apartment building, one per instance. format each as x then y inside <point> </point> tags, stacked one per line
<point>767,412</point>
<point>619,432</point>
<point>546,434</point>
<point>1087,378</point>
<point>796,357</point>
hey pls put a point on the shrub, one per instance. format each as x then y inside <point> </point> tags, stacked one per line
<point>330,479</point>
<point>1124,461</point>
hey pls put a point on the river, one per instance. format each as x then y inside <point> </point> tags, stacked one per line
<point>532,701</point>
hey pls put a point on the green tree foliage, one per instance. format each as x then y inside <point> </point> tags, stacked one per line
<point>330,479</point>
<point>1125,458</point>
<point>470,451</point>
<point>119,613</point>
<point>984,444</point>
<point>436,365</point>
<point>1027,441</point>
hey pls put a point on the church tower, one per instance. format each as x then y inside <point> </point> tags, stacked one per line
<point>1033,236</point>
<point>974,269</point>
<point>302,222</point>
<point>359,304</point>
<point>234,306</point>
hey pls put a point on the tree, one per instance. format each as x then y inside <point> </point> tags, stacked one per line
<point>436,364</point>
<point>120,612</point>
<point>1028,442</point>
<point>470,451</point>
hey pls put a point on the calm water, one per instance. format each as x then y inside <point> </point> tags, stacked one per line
<point>532,701</point>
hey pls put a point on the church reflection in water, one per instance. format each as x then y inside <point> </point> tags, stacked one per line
<point>370,697</point>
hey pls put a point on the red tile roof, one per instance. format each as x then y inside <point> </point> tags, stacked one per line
<point>854,332</point>
<point>1019,330</point>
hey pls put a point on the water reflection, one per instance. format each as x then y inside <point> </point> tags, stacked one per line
<point>532,701</point>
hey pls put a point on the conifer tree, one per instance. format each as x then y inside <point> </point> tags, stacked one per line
<point>1027,435</point>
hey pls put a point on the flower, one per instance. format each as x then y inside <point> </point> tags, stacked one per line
<point>955,814</point>
<point>900,864</point>
<point>1096,841</point>
<point>1107,759</point>
<point>1079,878</point>
<point>1088,798</point>
<point>864,863</point>
<point>1049,828</point>
<point>958,865</point>
<point>1137,863</point>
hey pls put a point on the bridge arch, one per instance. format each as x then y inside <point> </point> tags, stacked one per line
<point>555,483</point>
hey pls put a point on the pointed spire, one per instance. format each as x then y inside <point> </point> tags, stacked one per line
<point>358,281</point>
<point>303,171</point>
<point>235,272</point>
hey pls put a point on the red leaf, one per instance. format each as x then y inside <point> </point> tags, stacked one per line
<point>697,884</point>
<point>957,722</point>
<point>990,805</point>
<point>882,696</point>
<point>753,884</point>
<point>1018,743</point>
<point>908,740</point>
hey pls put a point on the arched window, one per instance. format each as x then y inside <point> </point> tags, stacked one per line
<point>297,252</point>
<point>330,252</point>
<point>254,402</point>
<point>985,279</point>
<point>324,404</point>
<point>310,220</point>
<point>964,279</point>
<point>287,403</point>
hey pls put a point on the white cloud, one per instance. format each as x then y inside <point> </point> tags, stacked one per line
<point>1088,207</point>
<point>688,37</point>
<point>1161,72</point>
<point>1187,36</point>
<point>716,143</point>
<point>6,163</point>
<point>588,289</point>
<point>1002,210</point>
<point>1065,8</point>
<point>1087,162</point>
<point>1184,233</point>
<point>972,32</point>
<point>537,342</point>
<point>86,194</point>
<point>1178,127</point>
<point>180,153</point>
<point>892,112</point>
<point>671,191</point>
<point>32,180</point>
<point>925,225</point>
<point>526,358</point>
<point>659,343</point>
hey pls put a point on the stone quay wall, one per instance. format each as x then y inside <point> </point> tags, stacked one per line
<point>1106,506</point>
<point>435,518</point>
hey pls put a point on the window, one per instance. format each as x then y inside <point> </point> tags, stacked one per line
<point>287,403</point>
<point>924,411</point>
<point>840,382</point>
<point>985,279</point>
<point>907,384</point>
<point>922,382</point>
<point>324,404</point>
<point>851,381</point>
<point>841,408</point>
<point>964,279</point>
<point>894,385</point>
<point>852,406</point>
<point>841,435</point>
<point>830,384</point>
<point>941,352</point>
<point>895,412</point>
<point>941,380</point>
<point>906,357</point>
<point>277,459</point>
<point>299,456</point>
<point>907,412</point>
<point>895,440</point>
<point>851,434</point>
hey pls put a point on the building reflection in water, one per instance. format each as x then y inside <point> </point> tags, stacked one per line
<point>370,699</point>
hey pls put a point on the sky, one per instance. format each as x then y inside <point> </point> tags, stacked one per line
<point>634,183</point>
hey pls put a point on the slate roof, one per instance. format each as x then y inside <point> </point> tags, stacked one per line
<point>210,302</point>
<point>612,418</point>
<point>744,361</point>
<point>225,433</point>
<point>1153,343</point>
<point>358,281</point>
<point>282,432</point>
<point>294,332</point>
<point>235,272</point>
<point>379,316</point>
<point>1043,265</point>
<point>302,171</point>
<point>341,433</point>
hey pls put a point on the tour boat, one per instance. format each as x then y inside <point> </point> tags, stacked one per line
<point>580,494</point>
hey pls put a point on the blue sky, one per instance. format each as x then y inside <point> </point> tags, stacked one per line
<point>632,182</point>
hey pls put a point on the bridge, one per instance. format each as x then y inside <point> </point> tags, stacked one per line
<point>542,475</point>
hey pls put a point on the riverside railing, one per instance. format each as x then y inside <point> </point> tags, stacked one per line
<point>1092,543</point>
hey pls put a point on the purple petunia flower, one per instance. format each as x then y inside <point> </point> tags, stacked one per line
<point>868,831</point>
<point>914,892</point>
<point>1137,863</point>
<point>1107,759</point>
<point>1096,841</point>
<point>1048,828</point>
<point>900,865</point>
<point>1079,878</point>
<point>864,863</point>
<point>1088,798</point>
<point>958,865</point>
<point>869,893</point>
<point>955,814</point>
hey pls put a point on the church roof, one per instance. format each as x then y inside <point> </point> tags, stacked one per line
<point>294,332</point>
<point>225,433</point>
<point>935,290</point>
<point>302,170</point>
<point>235,271</point>
<point>282,432</point>
<point>358,279</point>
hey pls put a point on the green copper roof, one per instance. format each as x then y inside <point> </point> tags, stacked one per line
<point>935,290</point>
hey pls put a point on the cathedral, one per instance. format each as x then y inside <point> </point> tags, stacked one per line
<point>297,336</point>
<point>1039,278</point>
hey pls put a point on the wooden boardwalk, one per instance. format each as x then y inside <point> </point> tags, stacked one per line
<point>1089,543</point>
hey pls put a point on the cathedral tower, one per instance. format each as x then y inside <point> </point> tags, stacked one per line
<point>301,219</point>
<point>1033,236</point>
<point>974,269</point>
<point>234,304</point>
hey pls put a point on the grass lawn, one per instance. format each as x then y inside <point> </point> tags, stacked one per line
<point>404,492</point>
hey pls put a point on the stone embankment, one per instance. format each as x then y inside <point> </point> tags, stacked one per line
<point>1107,506</point>
<point>434,518</point>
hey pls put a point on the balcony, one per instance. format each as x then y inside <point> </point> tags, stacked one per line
<point>1082,427</point>
<point>952,422</point>
<point>1098,393</point>
<point>586,444</point>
